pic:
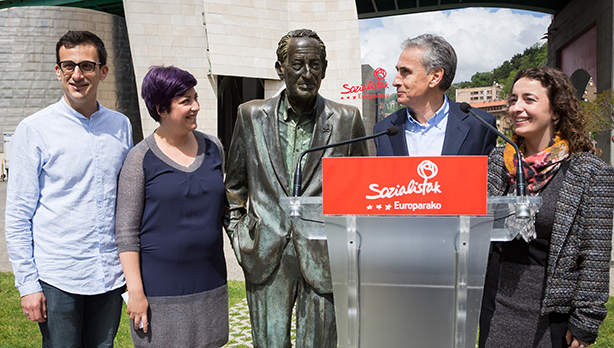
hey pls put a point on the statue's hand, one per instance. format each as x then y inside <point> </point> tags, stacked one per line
<point>235,244</point>
<point>231,228</point>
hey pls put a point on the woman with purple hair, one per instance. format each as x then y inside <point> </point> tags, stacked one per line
<point>169,222</point>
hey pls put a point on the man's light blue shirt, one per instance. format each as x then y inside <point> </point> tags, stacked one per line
<point>60,202</point>
<point>427,139</point>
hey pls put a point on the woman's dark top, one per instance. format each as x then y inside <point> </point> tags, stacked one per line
<point>172,216</point>
<point>178,227</point>
<point>536,251</point>
<point>181,240</point>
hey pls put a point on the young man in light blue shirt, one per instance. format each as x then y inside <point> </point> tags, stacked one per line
<point>60,207</point>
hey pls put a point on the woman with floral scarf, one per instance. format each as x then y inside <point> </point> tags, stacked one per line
<point>548,287</point>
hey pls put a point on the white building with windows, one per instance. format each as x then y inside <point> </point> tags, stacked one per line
<point>479,94</point>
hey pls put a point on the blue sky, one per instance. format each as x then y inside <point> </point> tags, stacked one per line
<point>482,37</point>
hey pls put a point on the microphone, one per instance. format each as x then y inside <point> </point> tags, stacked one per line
<point>297,188</point>
<point>521,211</point>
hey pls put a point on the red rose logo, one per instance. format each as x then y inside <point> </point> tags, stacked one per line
<point>380,73</point>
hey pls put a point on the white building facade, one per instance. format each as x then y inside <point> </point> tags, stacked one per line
<point>221,42</point>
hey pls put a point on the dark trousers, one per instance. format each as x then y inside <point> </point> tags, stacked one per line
<point>80,321</point>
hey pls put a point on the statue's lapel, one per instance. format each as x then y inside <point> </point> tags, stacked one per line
<point>322,132</point>
<point>270,132</point>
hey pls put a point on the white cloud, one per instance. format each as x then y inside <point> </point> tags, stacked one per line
<point>482,37</point>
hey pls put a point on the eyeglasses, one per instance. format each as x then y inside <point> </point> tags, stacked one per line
<point>68,66</point>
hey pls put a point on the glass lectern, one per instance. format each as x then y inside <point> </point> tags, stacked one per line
<point>408,280</point>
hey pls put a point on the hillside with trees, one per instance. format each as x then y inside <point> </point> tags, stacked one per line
<point>535,55</point>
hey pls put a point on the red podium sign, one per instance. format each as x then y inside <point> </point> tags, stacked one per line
<point>445,185</point>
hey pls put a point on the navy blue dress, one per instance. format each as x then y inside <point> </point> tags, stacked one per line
<point>181,244</point>
<point>172,216</point>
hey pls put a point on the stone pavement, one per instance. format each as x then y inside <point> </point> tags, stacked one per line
<point>232,265</point>
<point>240,328</point>
<point>240,334</point>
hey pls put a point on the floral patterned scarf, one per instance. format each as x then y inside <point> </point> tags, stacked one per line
<point>540,167</point>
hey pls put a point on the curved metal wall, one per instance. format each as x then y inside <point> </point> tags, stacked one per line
<point>27,58</point>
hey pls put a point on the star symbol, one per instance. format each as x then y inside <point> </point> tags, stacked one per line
<point>388,206</point>
<point>379,206</point>
<point>369,207</point>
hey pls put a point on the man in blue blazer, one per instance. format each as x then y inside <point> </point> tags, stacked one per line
<point>431,124</point>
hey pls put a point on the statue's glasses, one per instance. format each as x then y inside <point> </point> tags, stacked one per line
<point>68,66</point>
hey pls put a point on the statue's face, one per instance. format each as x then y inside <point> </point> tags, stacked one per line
<point>303,70</point>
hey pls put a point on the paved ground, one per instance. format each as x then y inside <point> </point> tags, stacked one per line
<point>234,270</point>
<point>240,328</point>
<point>240,334</point>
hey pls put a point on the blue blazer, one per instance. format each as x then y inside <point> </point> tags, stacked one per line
<point>464,134</point>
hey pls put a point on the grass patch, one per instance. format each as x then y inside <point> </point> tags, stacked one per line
<point>15,330</point>
<point>606,330</point>
<point>236,292</point>
<point>18,332</point>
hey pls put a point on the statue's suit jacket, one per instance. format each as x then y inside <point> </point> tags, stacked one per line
<point>464,134</point>
<point>257,177</point>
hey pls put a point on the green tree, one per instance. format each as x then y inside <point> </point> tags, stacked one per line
<point>451,92</point>
<point>482,79</point>
<point>501,72</point>
<point>599,114</point>
<point>507,84</point>
<point>536,55</point>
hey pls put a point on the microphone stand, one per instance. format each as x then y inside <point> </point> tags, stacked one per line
<point>522,211</point>
<point>297,186</point>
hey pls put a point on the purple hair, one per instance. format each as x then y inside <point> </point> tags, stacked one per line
<point>161,85</point>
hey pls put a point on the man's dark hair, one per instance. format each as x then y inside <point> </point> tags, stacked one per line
<point>282,47</point>
<point>75,37</point>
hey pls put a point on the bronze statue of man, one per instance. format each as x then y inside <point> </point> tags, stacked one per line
<point>281,266</point>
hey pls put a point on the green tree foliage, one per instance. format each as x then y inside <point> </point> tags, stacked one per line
<point>536,55</point>
<point>599,114</point>
<point>451,92</point>
<point>481,79</point>
<point>503,71</point>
